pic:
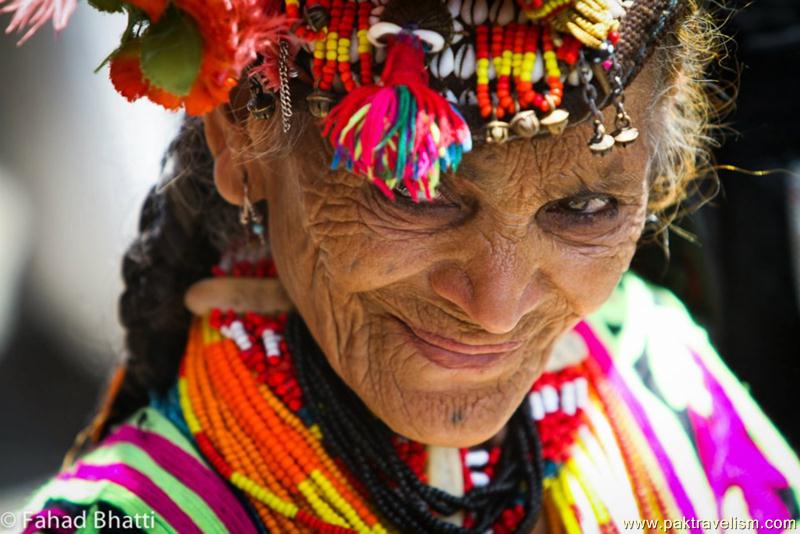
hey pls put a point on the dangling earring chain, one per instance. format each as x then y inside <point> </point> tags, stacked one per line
<point>250,219</point>
<point>286,95</point>
<point>600,143</point>
<point>624,133</point>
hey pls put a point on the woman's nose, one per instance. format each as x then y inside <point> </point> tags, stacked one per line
<point>495,287</point>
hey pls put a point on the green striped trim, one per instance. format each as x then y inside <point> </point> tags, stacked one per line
<point>89,493</point>
<point>186,499</point>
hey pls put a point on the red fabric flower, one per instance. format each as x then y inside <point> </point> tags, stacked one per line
<point>126,75</point>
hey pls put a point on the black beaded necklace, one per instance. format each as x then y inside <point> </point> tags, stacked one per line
<point>364,443</point>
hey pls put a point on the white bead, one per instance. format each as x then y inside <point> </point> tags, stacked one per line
<point>550,399</point>
<point>476,458</point>
<point>479,479</point>
<point>568,398</point>
<point>538,68</point>
<point>271,343</point>
<point>582,392</point>
<point>537,406</point>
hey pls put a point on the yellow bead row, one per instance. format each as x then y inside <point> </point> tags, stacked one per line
<point>364,46</point>
<point>344,50</point>
<point>482,71</point>
<point>264,495</point>
<point>331,41</point>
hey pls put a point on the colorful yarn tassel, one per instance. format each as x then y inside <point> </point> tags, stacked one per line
<point>401,129</point>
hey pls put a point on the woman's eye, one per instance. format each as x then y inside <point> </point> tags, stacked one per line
<point>588,206</point>
<point>585,211</point>
<point>405,198</point>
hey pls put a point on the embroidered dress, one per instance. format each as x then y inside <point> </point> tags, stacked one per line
<point>643,422</point>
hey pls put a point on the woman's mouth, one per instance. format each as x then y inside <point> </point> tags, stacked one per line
<point>451,354</point>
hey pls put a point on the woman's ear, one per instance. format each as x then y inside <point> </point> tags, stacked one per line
<point>229,143</point>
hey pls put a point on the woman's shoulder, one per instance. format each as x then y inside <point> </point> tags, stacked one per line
<point>712,435</point>
<point>146,475</point>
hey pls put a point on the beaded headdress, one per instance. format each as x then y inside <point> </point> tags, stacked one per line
<point>402,87</point>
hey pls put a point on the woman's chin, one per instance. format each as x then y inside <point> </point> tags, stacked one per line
<point>452,418</point>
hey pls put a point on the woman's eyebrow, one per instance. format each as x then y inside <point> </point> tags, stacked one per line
<point>601,176</point>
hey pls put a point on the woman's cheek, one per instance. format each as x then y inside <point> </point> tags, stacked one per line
<point>587,276</point>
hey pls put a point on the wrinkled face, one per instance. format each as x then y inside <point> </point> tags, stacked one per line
<point>441,315</point>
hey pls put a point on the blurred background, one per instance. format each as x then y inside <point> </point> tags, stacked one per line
<point>76,161</point>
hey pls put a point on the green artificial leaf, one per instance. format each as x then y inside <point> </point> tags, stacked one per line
<point>107,6</point>
<point>172,50</point>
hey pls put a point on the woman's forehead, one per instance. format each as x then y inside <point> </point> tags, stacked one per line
<point>553,165</point>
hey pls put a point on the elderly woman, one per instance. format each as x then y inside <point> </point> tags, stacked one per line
<point>412,333</point>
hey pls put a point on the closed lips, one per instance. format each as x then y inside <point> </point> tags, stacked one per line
<point>464,348</point>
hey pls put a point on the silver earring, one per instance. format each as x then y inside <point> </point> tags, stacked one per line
<point>249,217</point>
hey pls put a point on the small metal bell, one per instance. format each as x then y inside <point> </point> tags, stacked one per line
<point>497,132</point>
<point>320,104</point>
<point>262,104</point>
<point>624,134</point>
<point>601,143</point>
<point>316,17</point>
<point>556,121</point>
<point>525,124</point>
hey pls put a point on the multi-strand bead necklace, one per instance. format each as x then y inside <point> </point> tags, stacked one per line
<point>255,416</point>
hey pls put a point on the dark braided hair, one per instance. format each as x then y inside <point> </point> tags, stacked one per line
<point>184,226</point>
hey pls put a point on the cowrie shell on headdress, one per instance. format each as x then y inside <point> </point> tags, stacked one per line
<point>375,15</point>
<point>458,32</point>
<point>450,96</point>
<point>434,40</point>
<point>443,64</point>
<point>474,12</point>
<point>454,7</point>
<point>574,77</point>
<point>378,32</point>
<point>465,62</point>
<point>615,8</point>
<point>502,12</point>
<point>468,98</point>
